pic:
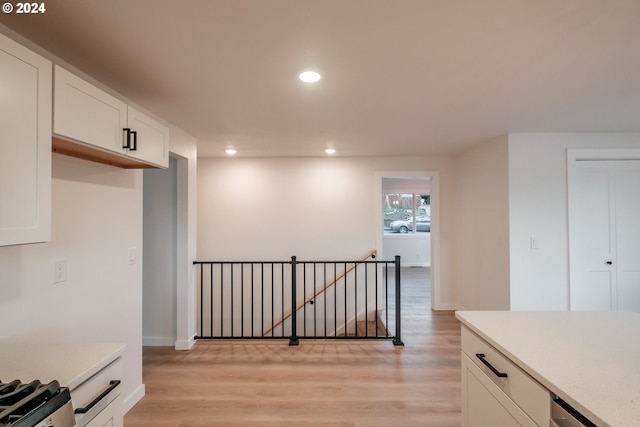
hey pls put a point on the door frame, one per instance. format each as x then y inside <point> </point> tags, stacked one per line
<point>436,303</point>
<point>575,155</point>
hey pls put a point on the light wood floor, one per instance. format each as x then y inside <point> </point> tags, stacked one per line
<point>319,383</point>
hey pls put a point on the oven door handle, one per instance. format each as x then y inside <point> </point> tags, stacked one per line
<point>112,385</point>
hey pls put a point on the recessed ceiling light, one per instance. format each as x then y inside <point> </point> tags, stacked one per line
<point>230,151</point>
<point>309,76</point>
<point>330,150</point>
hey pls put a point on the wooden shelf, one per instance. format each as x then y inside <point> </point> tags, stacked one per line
<point>92,154</point>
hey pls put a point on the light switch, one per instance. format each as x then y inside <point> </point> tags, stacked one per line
<point>533,242</point>
<point>133,256</point>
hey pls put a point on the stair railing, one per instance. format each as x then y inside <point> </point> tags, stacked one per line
<point>282,299</point>
<point>370,254</point>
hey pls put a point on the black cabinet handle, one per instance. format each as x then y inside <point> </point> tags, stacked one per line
<point>134,147</point>
<point>112,385</point>
<point>127,144</point>
<point>481,356</point>
<point>609,263</point>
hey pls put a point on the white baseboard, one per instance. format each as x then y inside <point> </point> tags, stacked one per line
<point>157,341</point>
<point>133,398</point>
<point>185,344</point>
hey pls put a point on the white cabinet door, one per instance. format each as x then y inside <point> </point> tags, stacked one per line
<point>25,145</point>
<point>96,120</point>
<point>484,404</point>
<point>86,114</point>
<point>152,143</point>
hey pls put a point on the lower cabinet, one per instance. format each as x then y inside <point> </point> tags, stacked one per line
<point>98,401</point>
<point>111,416</point>
<point>484,404</point>
<point>496,392</point>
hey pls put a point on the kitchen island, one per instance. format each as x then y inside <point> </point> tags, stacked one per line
<point>591,360</point>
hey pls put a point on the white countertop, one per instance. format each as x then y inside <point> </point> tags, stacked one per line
<point>589,359</point>
<point>69,364</point>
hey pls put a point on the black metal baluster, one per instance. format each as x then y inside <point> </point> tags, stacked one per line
<point>211,298</point>
<point>345,300</point>
<point>355,295</point>
<point>376,297</point>
<point>335,297</point>
<point>222,300</point>
<point>242,299</point>
<point>272,303</point>
<point>232,292</point>
<point>252,304</point>
<point>324,283</point>
<point>386,297</point>
<point>304,298</point>
<point>315,311</point>
<point>366,300</point>
<point>262,296</point>
<point>282,296</point>
<point>201,296</point>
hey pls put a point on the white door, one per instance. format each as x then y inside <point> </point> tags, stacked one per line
<point>604,226</point>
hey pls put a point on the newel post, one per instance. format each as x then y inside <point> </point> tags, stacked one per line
<point>294,340</point>
<point>397,340</point>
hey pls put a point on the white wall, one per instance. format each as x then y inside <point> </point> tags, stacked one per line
<point>185,148</point>
<point>314,208</point>
<point>159,295</point>
<point>483,227</point>
<point>538,208</point>
<point>96,218</point>
<point>414,249</point>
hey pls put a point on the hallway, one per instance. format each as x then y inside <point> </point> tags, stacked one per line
<point>319,383</point>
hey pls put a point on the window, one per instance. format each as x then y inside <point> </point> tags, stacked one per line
<point>406,213</point>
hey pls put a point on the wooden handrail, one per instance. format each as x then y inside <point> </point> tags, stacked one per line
<point>324,289</point>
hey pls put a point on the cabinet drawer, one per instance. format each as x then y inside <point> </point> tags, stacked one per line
<point>484,404</point>
<point>526,392</point>
<point>90,390</point>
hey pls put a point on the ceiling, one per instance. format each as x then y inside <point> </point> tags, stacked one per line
<point>400,78</point>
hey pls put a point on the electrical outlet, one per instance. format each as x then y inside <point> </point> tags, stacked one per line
<point>60,271</point>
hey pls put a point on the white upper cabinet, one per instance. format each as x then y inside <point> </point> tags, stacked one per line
<point>25,145</point>
<point>90,123</point>
<point>151,139</point>
<point>84,113</point>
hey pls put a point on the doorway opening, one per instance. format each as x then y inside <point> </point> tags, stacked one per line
<point>407,211</point>
<point>164,252</point>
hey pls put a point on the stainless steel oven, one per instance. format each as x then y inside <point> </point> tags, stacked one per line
<point>564,415</point>
<point>35,405</point>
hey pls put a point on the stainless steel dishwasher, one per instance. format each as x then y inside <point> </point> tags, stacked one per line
<point>564,415</point>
